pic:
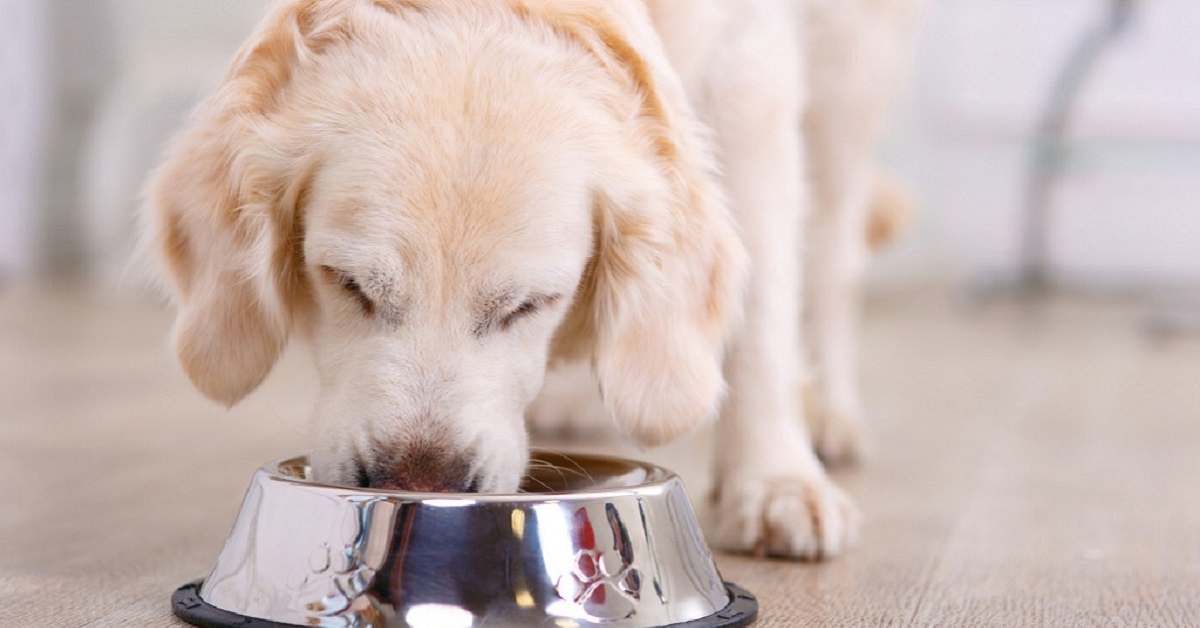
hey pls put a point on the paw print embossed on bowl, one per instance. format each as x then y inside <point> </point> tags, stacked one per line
<point>603,582</point>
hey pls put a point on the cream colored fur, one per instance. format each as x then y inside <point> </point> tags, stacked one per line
<point>445,194</point>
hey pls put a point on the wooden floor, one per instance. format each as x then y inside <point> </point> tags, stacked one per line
<point>1031,469</point>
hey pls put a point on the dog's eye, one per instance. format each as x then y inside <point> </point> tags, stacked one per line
<point>350,285</point>
<point>526,308</point>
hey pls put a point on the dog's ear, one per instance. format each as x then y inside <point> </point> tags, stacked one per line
<point>221,216</point>
<point>663,288</point>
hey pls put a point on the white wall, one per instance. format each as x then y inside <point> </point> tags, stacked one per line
<point>89,89</point>
<point>168,55</point>
<point>23,97</point>
<point>1127,209</point>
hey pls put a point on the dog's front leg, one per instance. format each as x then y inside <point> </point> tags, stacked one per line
<point>836,257</point>
<point>771,494</point>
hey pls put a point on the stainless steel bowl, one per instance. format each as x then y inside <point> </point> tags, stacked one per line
<point>594,541</point>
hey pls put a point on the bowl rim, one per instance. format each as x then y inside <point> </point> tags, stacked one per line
<point>658,478</point>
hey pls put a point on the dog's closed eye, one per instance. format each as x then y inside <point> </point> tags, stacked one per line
<point>527,307</point>
<point>351,287</point>
<point>498,317</point>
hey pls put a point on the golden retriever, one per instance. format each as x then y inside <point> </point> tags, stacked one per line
<point>446,195</point>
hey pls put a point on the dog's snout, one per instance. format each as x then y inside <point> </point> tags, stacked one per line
<point>422,469</point>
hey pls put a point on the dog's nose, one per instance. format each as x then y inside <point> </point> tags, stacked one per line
<point>422,469</point>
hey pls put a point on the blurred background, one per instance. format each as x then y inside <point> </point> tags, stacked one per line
<point>92,88</point>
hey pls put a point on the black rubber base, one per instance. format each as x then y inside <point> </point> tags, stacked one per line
<point>188,606</point>
<point>186,602</point>
<point>742,611</point>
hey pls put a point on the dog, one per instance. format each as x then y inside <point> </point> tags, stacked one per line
<point>446,196</point>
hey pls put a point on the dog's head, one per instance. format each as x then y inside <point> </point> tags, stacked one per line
<point>441,195</point>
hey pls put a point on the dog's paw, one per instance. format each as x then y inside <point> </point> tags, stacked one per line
<point>839,434</point>
<point>792,516</point>
<point>569,405</point>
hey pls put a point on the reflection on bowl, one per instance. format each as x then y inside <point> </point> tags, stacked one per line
<point>594,541</point>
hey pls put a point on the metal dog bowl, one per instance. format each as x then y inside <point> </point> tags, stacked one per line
<point>594,541</point>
